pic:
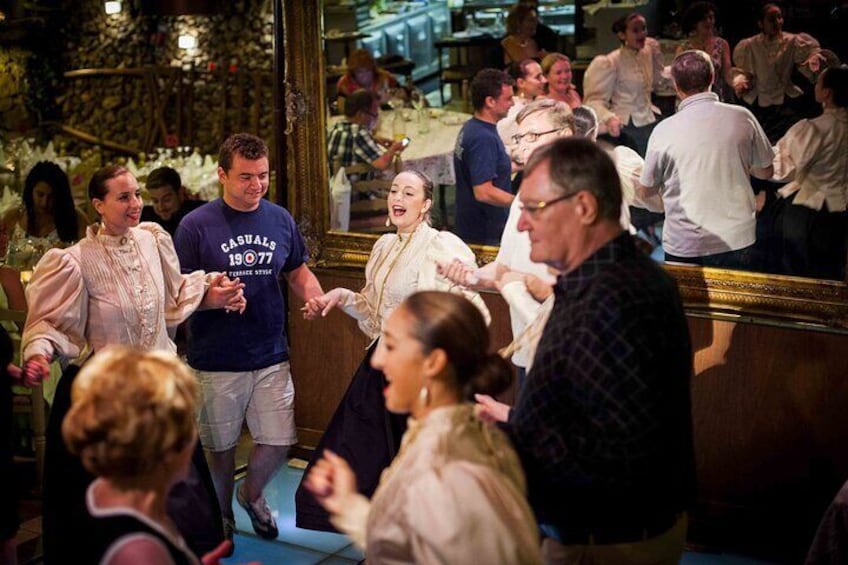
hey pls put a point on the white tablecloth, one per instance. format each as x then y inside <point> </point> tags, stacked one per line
<point>431,152</point>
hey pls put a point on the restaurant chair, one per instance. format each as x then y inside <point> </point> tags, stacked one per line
<point>369,196</point>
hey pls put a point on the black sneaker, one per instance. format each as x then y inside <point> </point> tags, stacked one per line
<point>260,516</point>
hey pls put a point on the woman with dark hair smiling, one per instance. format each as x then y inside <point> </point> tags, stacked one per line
<point>618,85</point>
<point>120,285</point>
<point>456,491</point>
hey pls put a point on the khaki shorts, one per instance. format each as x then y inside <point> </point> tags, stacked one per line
<point>264,397</point>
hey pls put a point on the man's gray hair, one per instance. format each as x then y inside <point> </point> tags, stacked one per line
<point>558,112</point>
<point>692,72</point>
<point>585,122</point>
<point>576,164</point>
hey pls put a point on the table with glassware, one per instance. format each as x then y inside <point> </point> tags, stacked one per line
<point>432,138</point>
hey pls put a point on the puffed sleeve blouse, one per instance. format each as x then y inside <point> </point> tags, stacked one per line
<point>620,83</point>
<point>108,290</point>
<point>768,64</point>
<point>454,494</point>
<point>401,264</point>
<point>812,157</point>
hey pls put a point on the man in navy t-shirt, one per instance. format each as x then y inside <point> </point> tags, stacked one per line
<point>483,168</point>
<point>241,361</point>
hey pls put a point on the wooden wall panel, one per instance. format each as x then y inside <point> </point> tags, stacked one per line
<point>325,353</point>
<point>770,418</point>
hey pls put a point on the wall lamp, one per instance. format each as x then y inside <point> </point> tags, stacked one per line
<point>112,7</point>
<point>187,41</point>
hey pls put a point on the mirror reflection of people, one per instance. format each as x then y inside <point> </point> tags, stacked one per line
<point>557,69</point>
<point>363,73</point>
<point>361,430</point>
<point>353,140</point>
<point>46,219</point>
<point>618,85</point>
<point>131,422</point>
<point>699,23</point>
<point>481,163</point>
<point>520,41</point>
<point>530,82</point>
<point>120,285</point>
<point>168,201</point>
<point>812,158</point>
<point>455,493</point>
<point>710,211</point>
<point>764,64</point>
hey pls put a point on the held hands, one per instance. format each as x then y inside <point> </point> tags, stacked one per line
<point>490,410</point>
<point>35,371</point>
<point>465,275</point>
<point>321,305</point>
<point>332,481</point>
<point>538,289</point>
<point>614,126</point>
<point>225,293</point>
<point>741,85</point>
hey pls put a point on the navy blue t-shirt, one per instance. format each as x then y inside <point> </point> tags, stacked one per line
<point>479,156</point>
<point>256,247</point>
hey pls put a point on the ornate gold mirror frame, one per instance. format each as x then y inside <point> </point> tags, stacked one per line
<point>710,292</point>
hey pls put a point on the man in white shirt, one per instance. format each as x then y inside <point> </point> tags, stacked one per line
<point>700,161</point>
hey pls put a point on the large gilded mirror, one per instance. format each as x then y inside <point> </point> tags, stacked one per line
<point>706,291</point>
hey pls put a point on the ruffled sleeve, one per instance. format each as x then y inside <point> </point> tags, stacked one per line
<point>183,293</point>
<point>661,75</point>
<point>806,48</point>
<point>58,307</point>
<point>521,302</point>
<point>353,519</point>
<point>743,68</point>
<point>598,85</point>
<point>464,497</point>
<point>444,248</point>
<point>795,150</point>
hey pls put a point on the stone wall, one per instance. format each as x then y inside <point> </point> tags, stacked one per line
<point>195,98</point>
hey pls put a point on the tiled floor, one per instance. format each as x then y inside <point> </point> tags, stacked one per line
<point>296,546</point>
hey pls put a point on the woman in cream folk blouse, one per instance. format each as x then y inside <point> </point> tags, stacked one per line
<point>120,285</point>
<point>455,492</point>
<point>361,429</point>
<point>618,85</point>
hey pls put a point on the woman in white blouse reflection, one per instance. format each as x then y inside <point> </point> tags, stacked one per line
<point>812,157</point>
<point>455,492</point>
<point>361,430</point>
<point>618,85</point>
<point>120,285</point>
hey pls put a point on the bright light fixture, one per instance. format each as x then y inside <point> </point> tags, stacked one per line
<point>112,7</point>
<point>187,41</point>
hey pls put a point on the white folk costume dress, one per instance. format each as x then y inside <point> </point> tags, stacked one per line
<point>455,493</point>
<point>362,431</point>
<point>112,290</point>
